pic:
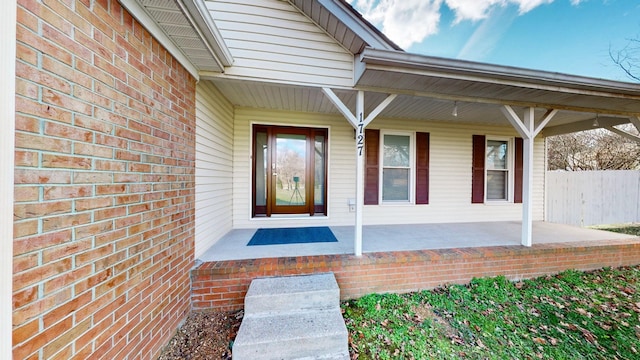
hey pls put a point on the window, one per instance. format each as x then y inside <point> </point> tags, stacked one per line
<point>397,160</point>
<point>401,162</point>
<point>498,169</point>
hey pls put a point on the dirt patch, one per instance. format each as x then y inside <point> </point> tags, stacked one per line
<point>204,336</point>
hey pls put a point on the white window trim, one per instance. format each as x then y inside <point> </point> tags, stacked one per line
<point>412,167</point>
<point>510,169</point>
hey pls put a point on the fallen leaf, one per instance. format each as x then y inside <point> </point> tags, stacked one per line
<point>588,335</point>
<point>538,340</point>
<point>480,344</point>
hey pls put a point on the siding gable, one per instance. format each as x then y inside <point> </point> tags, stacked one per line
<point>272,40</point>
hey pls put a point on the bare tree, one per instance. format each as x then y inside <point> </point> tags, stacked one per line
<point>628,59</point>
<point>596,149</point>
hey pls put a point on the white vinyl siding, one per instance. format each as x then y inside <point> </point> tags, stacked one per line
<point>272,40</point>
<point>214,166</point>
<point>341,160</point>
<point>449,177</point>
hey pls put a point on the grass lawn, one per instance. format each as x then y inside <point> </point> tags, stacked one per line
<point>629,229</point>
<point>573,315</point>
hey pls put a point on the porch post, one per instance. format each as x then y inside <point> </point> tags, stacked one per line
<point>528,130</point>
<point>527,180</point>
<point>359,123</point>
<point>357,241</point>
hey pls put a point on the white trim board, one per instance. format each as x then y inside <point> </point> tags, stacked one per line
<point>8,11</point>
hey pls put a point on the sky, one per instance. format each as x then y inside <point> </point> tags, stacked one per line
<point>566,36</point>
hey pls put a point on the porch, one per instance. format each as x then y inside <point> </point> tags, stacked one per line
<point>412,237</point>
<point>403,258</point>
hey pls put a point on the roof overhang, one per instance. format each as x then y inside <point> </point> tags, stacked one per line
<point>185,28</point>
<point>419,75</point>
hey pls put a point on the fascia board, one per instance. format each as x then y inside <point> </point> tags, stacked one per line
<point>356,25</point>
<point>498,74</point>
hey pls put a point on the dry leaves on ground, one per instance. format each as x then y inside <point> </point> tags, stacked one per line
<point>204,336</point>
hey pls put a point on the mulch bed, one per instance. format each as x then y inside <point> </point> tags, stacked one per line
<point>203,336</point>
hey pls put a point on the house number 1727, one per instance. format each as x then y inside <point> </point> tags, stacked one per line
<point>360,137</point>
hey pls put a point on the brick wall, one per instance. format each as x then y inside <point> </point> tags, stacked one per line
<point>104,187</point>
<point>223,284</point>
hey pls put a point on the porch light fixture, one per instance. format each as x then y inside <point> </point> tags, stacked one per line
<point>595,121</point>
<point>455,109</point>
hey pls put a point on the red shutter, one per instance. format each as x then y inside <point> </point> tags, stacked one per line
<point>422,168</point>
<point>371,166</point>
<point>518,171</point>
<point>477,171</point>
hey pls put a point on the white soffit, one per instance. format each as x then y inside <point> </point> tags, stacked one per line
<point>185,30</point>
<point>271,96</point>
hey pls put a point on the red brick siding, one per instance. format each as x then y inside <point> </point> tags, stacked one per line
<point>104,184</point>
<point>223,285</point>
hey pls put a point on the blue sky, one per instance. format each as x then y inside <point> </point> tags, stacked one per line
<point>567,36</point>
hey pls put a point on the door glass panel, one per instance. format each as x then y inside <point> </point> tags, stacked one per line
<point>319,171</point>
<point>291,152</point>
<point>261,168</point>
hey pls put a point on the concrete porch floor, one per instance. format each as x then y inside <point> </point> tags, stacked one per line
<point>387,238</point>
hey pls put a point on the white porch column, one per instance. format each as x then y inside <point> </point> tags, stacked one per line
<point>528,130</point>
<point>359,122</point>
<point>357,241</point>
<point>527,180</point>
<point>7,135</point>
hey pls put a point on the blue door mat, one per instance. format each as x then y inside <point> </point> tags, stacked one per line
<point>281,236</point>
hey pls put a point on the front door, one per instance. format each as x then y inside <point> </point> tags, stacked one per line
<point>289,170</point>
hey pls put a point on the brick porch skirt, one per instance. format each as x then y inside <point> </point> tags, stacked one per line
<point>222,285</point>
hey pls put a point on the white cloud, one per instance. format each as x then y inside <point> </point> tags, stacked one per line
<point>407,22</point>
<point>404,21</point>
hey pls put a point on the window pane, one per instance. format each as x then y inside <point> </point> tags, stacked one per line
<point>396,151</point>
<point>395,184</point>
<point>319,171</point>
<point>497,185</point>
<point>291,153</point>
<point>261,168</point>
<point>496,154</point>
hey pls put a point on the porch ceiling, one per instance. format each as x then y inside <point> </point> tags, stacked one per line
<point>272,96</point>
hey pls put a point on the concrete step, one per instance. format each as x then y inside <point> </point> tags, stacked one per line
<point>314,334</point>
<point>295,317</point>
<point>292,293</point>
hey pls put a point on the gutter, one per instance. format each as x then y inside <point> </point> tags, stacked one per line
<point>489,73</point>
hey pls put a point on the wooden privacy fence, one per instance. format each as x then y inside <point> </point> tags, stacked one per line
<point>586,198</point>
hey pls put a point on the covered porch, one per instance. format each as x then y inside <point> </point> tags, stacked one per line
<point>403,258</point>
<point>411,237</point>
